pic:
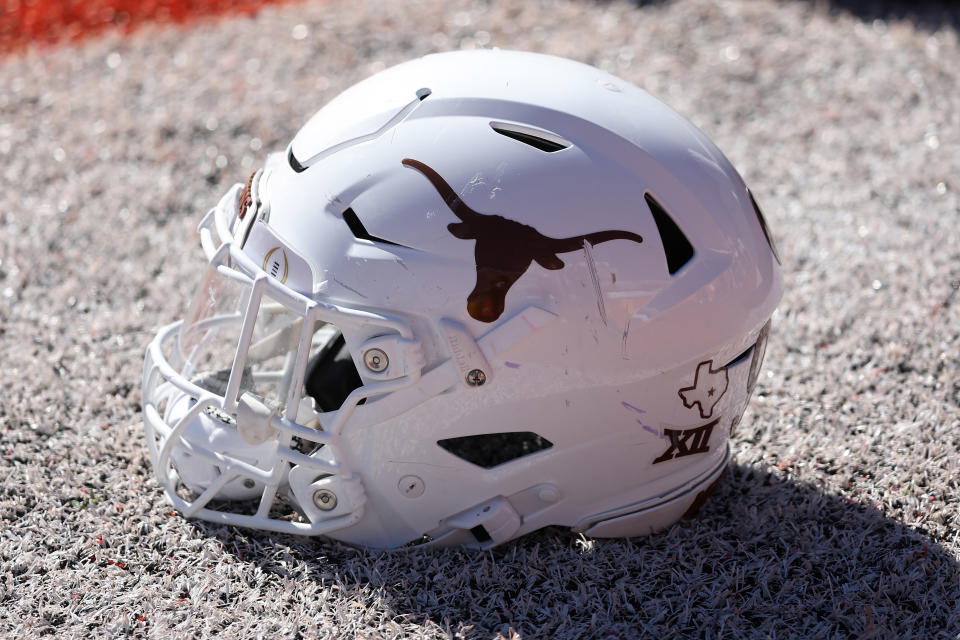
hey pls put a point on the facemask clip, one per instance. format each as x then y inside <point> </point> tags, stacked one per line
<point>254,420</point>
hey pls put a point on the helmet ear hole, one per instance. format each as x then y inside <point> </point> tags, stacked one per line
<point>332,375</point>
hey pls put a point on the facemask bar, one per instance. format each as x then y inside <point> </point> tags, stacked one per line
<point>164,382</point>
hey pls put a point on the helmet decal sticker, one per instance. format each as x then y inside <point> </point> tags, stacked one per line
<point>505,248</point>
<point>709,385</point>
<point>276,264</point>
<point>687,442</point>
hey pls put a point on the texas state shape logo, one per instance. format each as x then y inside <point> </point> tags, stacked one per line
<point>709,385</point>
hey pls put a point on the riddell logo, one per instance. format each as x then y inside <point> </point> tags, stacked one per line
<point>275,263</point>
<point>687,442</point>
<point>505,248</point>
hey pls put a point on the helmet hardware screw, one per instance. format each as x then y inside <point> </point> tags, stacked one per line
<point>411,486</point>
<point>376,360</point>
<point>324,499</point>
<point>249,483</point>
<point>476,378</point>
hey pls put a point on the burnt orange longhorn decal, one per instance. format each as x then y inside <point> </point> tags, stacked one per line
<point>505,248</point>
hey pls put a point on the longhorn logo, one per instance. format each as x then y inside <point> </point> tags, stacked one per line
<point>505,248</point>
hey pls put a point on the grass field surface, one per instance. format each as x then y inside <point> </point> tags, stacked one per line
<point>839,515</point>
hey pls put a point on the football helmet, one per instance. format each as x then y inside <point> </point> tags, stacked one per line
<point>480,293</point>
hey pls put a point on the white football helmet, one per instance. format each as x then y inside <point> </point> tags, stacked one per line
<point>480,293</point>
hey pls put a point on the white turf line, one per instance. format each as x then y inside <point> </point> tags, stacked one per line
<point>839,516</point>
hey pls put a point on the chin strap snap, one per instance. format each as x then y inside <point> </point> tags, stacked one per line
<point>254,420</point>
<point>490,523</point>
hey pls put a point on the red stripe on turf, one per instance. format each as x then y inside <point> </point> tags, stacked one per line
<point>50,21</point>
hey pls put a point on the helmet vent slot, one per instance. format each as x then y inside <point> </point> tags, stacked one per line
<point>294,163</point>
<point>493,449</point>
<point>360,232</point>
<point>534,137</point>
<point>676,247</point>
<point>763,225</point>
<point>740,358</point>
